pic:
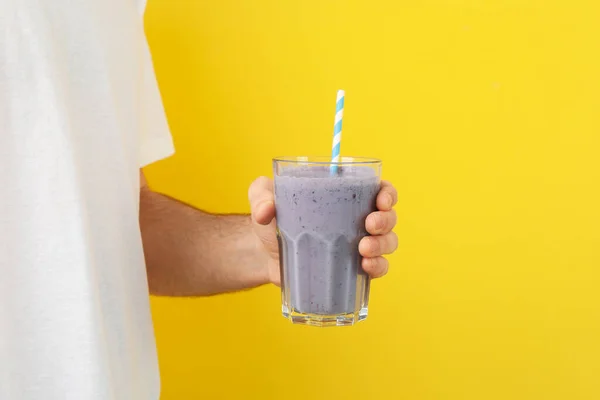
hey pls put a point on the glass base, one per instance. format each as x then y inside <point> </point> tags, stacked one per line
<point>322,320</point>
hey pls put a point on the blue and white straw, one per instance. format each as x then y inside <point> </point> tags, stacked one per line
<point>337,132</point>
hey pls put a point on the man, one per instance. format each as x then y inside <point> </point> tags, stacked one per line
<point>80,114</point>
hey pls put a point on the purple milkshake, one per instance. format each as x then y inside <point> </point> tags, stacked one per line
<point>320,220</point>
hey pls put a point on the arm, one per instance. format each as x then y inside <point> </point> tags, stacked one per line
<point>192,253</point>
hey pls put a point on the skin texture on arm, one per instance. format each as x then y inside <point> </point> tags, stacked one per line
<point>192,253</point>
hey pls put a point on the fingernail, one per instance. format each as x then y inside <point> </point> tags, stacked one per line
<point>390,200</point>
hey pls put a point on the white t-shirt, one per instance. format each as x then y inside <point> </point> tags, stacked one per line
<point>80,113</point>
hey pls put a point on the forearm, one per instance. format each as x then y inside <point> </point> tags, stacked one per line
<point>192,253</point>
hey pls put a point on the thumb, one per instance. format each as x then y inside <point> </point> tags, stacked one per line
<point>262,199</point>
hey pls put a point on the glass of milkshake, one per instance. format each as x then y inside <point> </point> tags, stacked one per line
<point>321,211</point>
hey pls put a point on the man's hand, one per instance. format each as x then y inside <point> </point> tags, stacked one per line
<point>379,224</point>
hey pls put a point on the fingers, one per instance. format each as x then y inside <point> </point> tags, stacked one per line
<point>381,222</point>
<point>261,199</point>
<point>376,267</point>
<point>375,246</point>
<point>387,197</point>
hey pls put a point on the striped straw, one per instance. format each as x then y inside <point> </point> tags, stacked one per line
<point>337,132</point>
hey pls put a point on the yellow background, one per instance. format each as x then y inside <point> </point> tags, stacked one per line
<point>487,115</point>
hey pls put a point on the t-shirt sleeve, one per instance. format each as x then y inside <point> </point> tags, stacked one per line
<point>156,142</point>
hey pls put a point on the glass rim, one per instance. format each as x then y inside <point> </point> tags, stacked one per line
<point>325,160</point>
